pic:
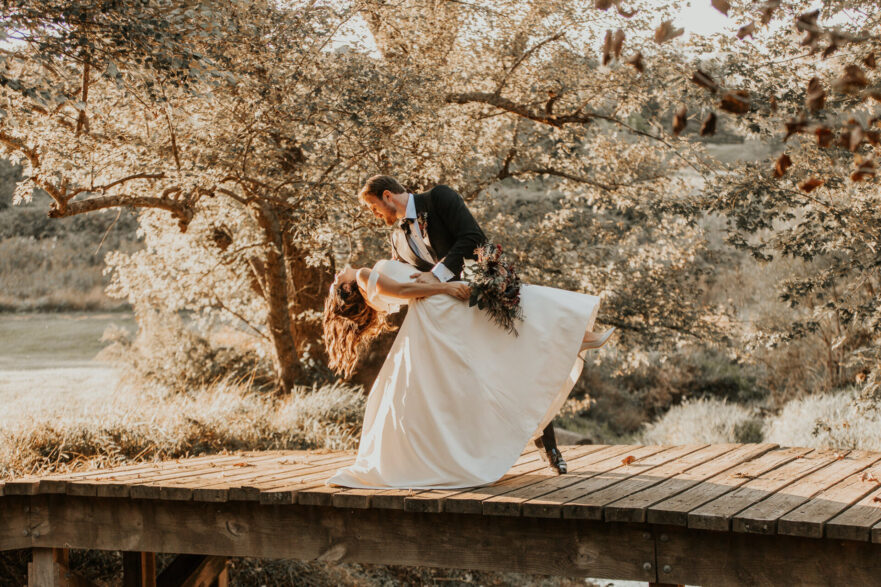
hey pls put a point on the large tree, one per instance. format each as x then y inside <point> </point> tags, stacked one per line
<point>244,135</point>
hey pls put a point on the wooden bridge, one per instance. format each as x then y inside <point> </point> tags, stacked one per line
<point>722,514</point>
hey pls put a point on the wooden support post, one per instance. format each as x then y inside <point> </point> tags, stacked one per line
<point>46,567</point>
<point>49,568</point>
<point>138,569</point>
<point>195,570</point>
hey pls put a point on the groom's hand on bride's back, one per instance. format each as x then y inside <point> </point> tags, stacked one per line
<point>459,289</point>
<point>425,277</point>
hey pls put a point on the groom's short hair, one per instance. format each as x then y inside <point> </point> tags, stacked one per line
<point>378,184</point>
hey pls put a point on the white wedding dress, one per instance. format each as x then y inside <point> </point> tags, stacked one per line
<point>458,397</point>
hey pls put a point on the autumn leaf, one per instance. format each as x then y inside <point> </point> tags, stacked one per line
<point>721,5</point>
<point>876,498</point>
<point>851,81</point>
<point>680,119</point>
<point>865,168</point>
<point>704,80</point>
<point>618,43</point>
<point>815,97</point>
<point>628,459</point>
<point>869,60</point>
<point>667,31</point>
<point>783,163</point>
<point>708,126</point>
<point>636,62</point>
<point>795,125</point>
<point>807,23</point>
<point>603,4</point>
<point>746,30</point>
<point>625,13</point>
<point>735,101</point>
<point>811,184</point>
<point>824,136</point>
<point>867,476</point>
<point>768,9</point>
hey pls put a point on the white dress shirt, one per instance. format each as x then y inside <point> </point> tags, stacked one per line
<point>441,271</point>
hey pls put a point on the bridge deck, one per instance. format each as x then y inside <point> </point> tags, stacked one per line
<point>682,500</point>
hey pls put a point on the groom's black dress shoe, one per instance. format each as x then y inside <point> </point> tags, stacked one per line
<point>552,456</point>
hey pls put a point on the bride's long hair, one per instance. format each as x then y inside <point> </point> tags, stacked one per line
<point>349,327</point>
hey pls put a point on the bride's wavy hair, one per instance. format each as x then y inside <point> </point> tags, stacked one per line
<point>350,325</point>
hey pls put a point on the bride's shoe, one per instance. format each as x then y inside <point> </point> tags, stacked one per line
<point>595,344</point>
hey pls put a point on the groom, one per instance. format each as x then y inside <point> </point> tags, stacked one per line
<point>434,232</point>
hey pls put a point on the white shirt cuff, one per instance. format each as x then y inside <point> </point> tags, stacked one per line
<point>442,272</point>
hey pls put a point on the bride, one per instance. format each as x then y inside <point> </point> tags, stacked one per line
<point>458,397</point>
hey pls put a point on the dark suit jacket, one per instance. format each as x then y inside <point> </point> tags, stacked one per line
<point>452,230</point>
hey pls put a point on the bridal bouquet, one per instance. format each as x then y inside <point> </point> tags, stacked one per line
<point>495,287</point>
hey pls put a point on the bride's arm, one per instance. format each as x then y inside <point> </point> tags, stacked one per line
<point>406,290</point>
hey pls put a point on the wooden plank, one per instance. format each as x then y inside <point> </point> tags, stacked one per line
<point>727,559</point>
<point>856,522</point>
<point>593,505</point>
<point>633,507</point>
<point>115,484</point>
<point>394,498</point>
<point>717,514</point>
<point>183,488</point>
<point>511,503</point>
<point>308,490</point>
<point>471,500</point>
<point>251,491</point>
<point>432,500</point>
<point>529,461</point>
<point>809,518</point>
<point>219,491</point>
<point>57,482</point>
<point>762,517</point>
<point>674,510</point>
<point>546,499</point>
<point>587,506</point>
<point>576,548</point>
<point>152,488</point>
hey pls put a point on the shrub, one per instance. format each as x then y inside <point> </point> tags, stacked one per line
<point>167,352</point>
<point>703,420</point>
<point>829,420</point>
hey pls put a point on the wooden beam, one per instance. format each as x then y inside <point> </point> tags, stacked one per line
<point>194,570</point>
<point>138,569</point>
<point>14,522</point>
<point>706,557</point>
<point>527,545</point>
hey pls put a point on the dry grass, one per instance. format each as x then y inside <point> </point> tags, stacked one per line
<point>150,423</point>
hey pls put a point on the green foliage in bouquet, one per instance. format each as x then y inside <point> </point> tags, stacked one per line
<point>495,287</point>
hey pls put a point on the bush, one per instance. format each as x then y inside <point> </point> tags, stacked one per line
<point>167,352</point>
<point>704,420</point>
<point>829,420</point>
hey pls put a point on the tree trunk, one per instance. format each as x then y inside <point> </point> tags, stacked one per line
<point>288,367</point>
<point>307,289</point>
